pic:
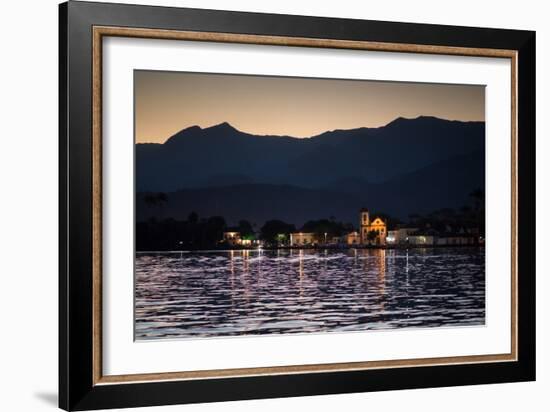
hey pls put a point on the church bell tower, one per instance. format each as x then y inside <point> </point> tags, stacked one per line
<point>364,224</point>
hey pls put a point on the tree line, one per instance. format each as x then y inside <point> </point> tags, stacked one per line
<point>207,232</point>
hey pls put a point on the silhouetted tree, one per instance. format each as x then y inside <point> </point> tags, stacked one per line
<point>155,199</point>
<point>477,196</point>
<point>391,221</point>
<point>215,226</point>
<point>162,197</point>
<point>193,218</point>
<point>322,226</point>
<point>479,208</point>
<point>371,235</point>
<point>272,228</point>
<point>245,228</point>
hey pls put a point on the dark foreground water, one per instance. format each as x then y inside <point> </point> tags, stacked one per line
<point>210,294</point>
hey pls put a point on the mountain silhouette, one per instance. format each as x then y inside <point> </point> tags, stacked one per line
<point>441,185</point>
<point>221,155</point>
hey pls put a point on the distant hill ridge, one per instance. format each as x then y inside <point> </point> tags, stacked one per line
<point>440,185</point>
<point>198,157</point>
<point>226,127</point>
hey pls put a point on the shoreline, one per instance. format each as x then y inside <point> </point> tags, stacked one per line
<point>327,247</point>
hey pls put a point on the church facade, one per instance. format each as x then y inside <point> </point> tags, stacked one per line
<point>372,231</point>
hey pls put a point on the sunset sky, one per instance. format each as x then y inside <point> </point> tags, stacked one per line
<point>166,102</point>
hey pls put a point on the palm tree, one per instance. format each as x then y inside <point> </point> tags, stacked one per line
<point>150,200</point>
<point>193,217</point>
<point>162,198</point>
<point>477,196</point>
<point>154,199</point>
<point>479,207</point>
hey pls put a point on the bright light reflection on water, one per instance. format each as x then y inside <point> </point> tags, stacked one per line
<point>229,293</point>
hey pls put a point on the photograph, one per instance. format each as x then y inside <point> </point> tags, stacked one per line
<point>270,205</point>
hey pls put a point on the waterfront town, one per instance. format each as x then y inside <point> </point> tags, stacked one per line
<point>372,231</point>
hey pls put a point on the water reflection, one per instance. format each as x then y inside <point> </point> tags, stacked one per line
<point>208,294</point>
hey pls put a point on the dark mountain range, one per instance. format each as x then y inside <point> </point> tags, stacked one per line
<point>222,156</point>
<point>442,184</point>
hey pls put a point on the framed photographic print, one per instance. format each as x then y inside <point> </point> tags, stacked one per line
<point>259,205</point>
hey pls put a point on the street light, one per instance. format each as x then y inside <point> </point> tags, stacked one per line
<point>325,238</point>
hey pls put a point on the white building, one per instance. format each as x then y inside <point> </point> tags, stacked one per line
<point>302,239</point>
<point>421,240</point>
<point>232,238</point>
<point>400,236</point>
<point>457,239</point>
<point>353,238</point>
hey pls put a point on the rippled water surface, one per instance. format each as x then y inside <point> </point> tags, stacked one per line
<point>224,293</point>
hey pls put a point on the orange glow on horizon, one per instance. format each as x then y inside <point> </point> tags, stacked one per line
<point>167,102</point>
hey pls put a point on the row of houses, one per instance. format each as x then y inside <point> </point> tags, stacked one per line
<point>414,236</point>
<point>233,238</point>
<point>372,232</point>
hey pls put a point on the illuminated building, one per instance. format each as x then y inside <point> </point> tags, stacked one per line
<point>302,239</point>
<point>377,226</point>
